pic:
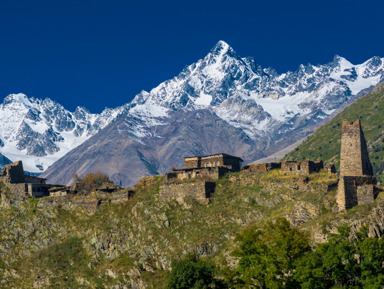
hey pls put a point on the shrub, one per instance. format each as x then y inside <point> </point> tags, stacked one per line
<point>192,273</point>
<point>90,182</point>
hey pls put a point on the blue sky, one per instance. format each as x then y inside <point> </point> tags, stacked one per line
<point>97,53</point>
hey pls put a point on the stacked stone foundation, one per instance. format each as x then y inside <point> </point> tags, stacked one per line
<point>211,173</point>
<point>199,191</point>
<point>355,190</point>
<point>301,167</point>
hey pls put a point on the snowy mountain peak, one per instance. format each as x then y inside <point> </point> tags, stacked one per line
<point>341,62</point>
<point>262,103</point>
<point>41,131</point>
<point>17,98</point>
<point>375,61</point>
<point>221,52</point>
<point>221,48</point>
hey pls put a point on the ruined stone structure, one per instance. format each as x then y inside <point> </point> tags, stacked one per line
<point>108,188</point>
<point>199,191</point>
<point>19,184</point>
<point>265,167</point>
<point>356,182</point>
<point>59,191</point>
<point>354,158</point>
<point>13,173</point>
<point>301,167</point>
<point>210,167</point>
<point>232,163</point>
<point>212,173</point>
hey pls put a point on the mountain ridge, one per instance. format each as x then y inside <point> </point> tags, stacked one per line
<point>273,110</point>
<point>325,143</point>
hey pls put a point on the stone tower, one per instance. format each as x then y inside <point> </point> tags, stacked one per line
<point>356,182</point>
<point>354,159</point>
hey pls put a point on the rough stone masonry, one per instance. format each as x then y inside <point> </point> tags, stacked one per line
<point>356,182</point>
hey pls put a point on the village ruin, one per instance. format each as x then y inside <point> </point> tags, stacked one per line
<point>204,168</point>
<point>20,184</point>
<point>196,181</point>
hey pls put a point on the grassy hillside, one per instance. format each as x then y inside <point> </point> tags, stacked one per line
<point>47,243</point>
<point>325,142</point>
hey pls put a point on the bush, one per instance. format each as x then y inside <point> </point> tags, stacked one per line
<point>193,273</point>
<point>90,182</point>
<point>267,255</point>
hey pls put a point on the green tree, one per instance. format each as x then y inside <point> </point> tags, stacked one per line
<point>343,262</point>
<point>90,182</point>
<point>193,273</point>
<point>371,258</point>
<point>268,254</point>
<point>332,264</point>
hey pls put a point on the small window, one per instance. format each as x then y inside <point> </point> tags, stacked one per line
<point>216,164</point>
<point>208,164</point>
<point>298,167</point>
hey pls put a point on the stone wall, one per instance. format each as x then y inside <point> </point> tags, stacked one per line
<point>218,160</point>
<point>301,167</point>
<point>354,158</point>
<point>265,167</point>
<point>13,173</point>
<point>355,190</point>
<point>192,162</point>
<point>209,173</point>
<point>147,181</point>
<point>115,197</point>
<point>366,194</point>
<point>17,189</point>
<point>199,191</point>
<point>356,183</point>
<point>89,204</point>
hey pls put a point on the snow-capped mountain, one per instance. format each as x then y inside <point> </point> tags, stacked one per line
<point>254,110</point>
<point>39,132</point>
<point>259,100</point>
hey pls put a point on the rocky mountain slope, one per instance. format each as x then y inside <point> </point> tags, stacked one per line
<point>254,110</point>
<point>125,153</point>
<point>54,242</point>
<point>325,142</point>
<point>41,131</point>
<point>273,110</point>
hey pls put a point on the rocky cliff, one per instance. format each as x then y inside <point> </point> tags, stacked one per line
<point>91,241</point>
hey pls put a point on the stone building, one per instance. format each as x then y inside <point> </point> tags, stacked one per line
<point>200,168</point>
<point>206,167</point>
<point>265,167</point>
<point>13,173</point>
<point>108,188</point>
<point>356,181</point>
<point>301,167</point>
<point>232,163</point>
<point>20,184</point>
<point>59,191</point>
